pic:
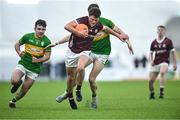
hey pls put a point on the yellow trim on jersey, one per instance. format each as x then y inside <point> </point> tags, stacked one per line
<point>34,50</point>
<point>103,35</point>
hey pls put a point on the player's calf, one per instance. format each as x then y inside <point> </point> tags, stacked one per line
<point>15,87</point>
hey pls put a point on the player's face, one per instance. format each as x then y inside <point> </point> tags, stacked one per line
<point>93,20</point>
<point>40,30</point>
<point>161,31</point>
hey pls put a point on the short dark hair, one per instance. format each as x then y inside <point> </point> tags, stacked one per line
<point>40,22</point>
<point>96,12</point>
<point>92,5</point>
<point>161,26</point>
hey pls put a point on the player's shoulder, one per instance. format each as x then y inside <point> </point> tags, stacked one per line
<point>154,41</point>
<point>103,18</point>
<point>166,38</point>
<point>46,39</point>
<point>82,20</point>
<point>106,22</point>
<point>27,35</point>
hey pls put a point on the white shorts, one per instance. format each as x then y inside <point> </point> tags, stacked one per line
<point>156,68</point>
<point>71,58</point>
<point>30,74</point>
<point>103,58</point>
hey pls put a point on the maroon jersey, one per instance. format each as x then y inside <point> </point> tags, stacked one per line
<point>162,50</point>
<point>77,44</point>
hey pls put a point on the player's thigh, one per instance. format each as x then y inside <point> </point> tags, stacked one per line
<point>16,75</point>
<point>97,68</point>
<point>163,67</point>
<point>28,82</point>
<point>83,61</point>
<point>89,62</point>
<point>153,76</point>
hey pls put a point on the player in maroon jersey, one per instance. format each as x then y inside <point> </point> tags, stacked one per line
<point>160,51</point>
<point>79,45</point>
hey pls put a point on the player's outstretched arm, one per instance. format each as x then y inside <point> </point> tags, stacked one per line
<point>122,37</point>
<point>118,30</point>
<point>63,40</point>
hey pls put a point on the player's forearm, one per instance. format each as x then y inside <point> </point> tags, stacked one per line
<point>174,57</point>
<point>151,57</point>
<point>71,29</point>
<point>64,40</point>
<point>110,31</point>
<point>118,30</point>
<point>17,48</point>
<point>45,58</point>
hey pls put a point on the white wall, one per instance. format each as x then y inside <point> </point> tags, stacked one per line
<point>138,18</point>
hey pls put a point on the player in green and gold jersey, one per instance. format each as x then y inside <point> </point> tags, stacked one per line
<point>31,61</point>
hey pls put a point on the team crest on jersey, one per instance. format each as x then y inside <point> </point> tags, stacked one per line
<point>90,30</point>
<point>164,45</point>
<point>96,30</point>
<point>42,43</point>
<point>30,40</point>
<point>155,46</point>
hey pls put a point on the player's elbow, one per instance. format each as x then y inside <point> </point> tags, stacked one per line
<point>66,27</point>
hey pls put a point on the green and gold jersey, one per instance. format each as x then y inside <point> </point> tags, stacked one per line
<point>101,44</point>
<point>33,47</point>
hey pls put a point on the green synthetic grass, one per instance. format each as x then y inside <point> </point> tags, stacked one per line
<point>116,100</point>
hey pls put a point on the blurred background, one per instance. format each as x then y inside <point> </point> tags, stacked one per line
<point>138,18</point>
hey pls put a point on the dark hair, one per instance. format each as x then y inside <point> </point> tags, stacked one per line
<point>161,26</point>
<point>40,22</point>
<point>92,5</point>
<point>94,11</point>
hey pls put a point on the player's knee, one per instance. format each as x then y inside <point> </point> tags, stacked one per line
<point>14,81</point>
<point>162,74</point>
<point>70,78</point>
<point>80,69</point>
<point>151,80</point>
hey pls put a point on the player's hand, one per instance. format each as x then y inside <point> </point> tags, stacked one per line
<point>34,59</point>
<point>21,53</point>
<point>152,63</point>
<point>174,67</point>
<point>131,51</point>
<point>123,37</point>
<point>83,34</point>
